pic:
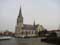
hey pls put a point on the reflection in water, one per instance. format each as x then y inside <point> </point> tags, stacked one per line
<point>22,41</point>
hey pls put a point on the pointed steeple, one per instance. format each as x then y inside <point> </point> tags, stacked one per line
<point>20,12</point>
<point>20,17</point>
<point>34,24</point>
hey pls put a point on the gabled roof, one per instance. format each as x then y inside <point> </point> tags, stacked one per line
<point>28,27</point>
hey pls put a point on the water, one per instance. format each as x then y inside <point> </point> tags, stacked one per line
<point>22,41</point>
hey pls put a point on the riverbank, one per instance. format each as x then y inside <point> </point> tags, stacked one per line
<point>24,41</point>
<point>5,38</point>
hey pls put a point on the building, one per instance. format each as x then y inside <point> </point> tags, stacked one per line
<point>23,30</point>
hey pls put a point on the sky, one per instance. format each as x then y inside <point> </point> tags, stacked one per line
<point>44,12</point>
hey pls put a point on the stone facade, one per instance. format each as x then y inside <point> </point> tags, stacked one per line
<point>23,30</point>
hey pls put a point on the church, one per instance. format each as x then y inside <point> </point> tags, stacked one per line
<point>23,30</point>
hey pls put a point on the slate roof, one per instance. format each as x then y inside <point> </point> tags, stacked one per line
<point>28,27</point>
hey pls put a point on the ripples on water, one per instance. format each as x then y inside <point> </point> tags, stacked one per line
<point>22,41</point>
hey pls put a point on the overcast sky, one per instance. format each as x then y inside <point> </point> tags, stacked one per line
<point>44,12</point>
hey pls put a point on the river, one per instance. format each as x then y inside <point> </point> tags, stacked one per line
<point>22,41</point>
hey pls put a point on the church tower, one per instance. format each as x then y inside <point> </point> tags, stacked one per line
<point>20,18</point>
<point>19,24</point>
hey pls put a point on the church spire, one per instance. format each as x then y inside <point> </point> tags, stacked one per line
<point>34,24</point>
<point>20,17</point>
<point>20,12</point>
